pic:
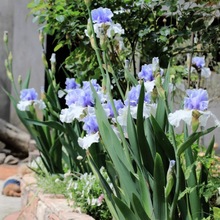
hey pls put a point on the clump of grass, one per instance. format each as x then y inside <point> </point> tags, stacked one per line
<point>51,184</point>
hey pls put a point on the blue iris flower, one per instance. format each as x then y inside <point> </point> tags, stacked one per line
<point>199,62</point>
<point>101,15</point>
<point>28,94</point>
<point>133,96</point>
<point>90,124</point>
<point>71,83</point>
<point>197,99</point>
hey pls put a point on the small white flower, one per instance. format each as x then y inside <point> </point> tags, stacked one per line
<point>94,201</point>
<point>88,201</point>
<point>67,174</point>
<point>79,157</point>
<point>57,180</point>
<point>88,140</point>
<point>75,186</point>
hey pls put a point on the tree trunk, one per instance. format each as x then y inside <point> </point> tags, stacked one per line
<point>14,137</point>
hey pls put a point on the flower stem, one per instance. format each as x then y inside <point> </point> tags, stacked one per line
<point>96,47</point>
<point>190,60</point>
<point>178,168</point>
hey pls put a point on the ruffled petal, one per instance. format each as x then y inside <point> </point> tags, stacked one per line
<point>180,115</point>
<point>24,105</point>
<point>88,140</point>
<point>149,85</point>
<point>73,112</point>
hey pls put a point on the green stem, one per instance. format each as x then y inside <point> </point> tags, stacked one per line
<point>190,60</point>
<point>96,46</point>
<point>113,73</point>
<point>178,168</point>
<point>177,189</point>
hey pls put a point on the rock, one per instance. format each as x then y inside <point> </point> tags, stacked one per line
<point>11,160</point>
<point>6,151</point>
<point>2,146</point>
<point>2,158</point>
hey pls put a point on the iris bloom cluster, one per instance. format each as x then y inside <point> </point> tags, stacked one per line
<point>80,107</point>
<point>103,24</point>
<point>197,102</point>
<point>28,98</point>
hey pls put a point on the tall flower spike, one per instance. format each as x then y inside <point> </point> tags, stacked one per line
<point>88,2</point>
<point>170,178</point>
<point>53,63</point>
<point>5,37</point>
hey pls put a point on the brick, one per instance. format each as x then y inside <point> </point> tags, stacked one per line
<point>53,217</point>
<point>39,206</point>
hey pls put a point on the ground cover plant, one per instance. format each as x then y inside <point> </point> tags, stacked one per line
<point>125,119</point>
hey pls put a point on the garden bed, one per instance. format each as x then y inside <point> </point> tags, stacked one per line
<point>37,205</point>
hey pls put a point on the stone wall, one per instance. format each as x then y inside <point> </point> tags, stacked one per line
<point>38,205</point>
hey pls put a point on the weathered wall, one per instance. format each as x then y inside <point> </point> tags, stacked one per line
<point>6,23</point>
<point>26,50</point>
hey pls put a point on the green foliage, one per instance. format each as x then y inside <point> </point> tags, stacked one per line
<point>152,29</point>
<point>82,191</point>
<point>56,142</point>
<point>137,179</point>
<point>87,194</point>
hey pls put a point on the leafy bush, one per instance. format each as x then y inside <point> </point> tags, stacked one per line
<point>152,29</point>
